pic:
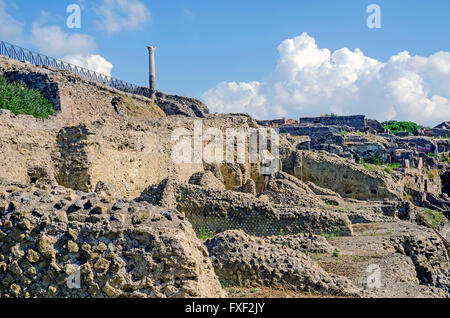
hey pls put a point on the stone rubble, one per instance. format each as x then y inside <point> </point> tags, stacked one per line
<point>95,188</point>
<point>119,248</point>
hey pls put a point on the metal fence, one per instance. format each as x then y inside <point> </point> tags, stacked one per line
<point>25,55</point>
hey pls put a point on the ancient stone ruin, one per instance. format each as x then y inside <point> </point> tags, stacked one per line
<point>92,203</point>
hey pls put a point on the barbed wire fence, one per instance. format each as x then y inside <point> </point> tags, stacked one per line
<point>27,56</point>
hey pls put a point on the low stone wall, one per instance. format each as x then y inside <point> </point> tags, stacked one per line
<point>217,211</point>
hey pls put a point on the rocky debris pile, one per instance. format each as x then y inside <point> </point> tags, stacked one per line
<point>443,145</point>
<point>56,242</point>
<point>224,210</point>
<point>248,187</point>
<point>374,126</point>
<point>287,190</point>
<point>208,180</point>
<point>177,105</point>
<point>377,211</point>
<point>429,256</point>
<point>326,138</point>
<point>242,260</point>
<point>322,191</point>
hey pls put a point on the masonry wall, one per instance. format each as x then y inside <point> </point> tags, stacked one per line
<point>357,122</point>
<point>77,99</point>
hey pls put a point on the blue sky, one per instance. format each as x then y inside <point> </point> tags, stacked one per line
<point>203,43</point>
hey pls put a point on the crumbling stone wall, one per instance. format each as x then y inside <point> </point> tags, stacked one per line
<point>77,99</point>
<point>346,178</point>
<point>131,154</point>
<point>26,147</point>
<point>438,133</point>
<point>55,242</point>
<point>356,122</point>
<point>218,211</point>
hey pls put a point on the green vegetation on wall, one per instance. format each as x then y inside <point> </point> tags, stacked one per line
<point>391,167</point>
<point>445,158</point>
<point>398,126</point>
<point>435,218</point>
<point>21,100</point>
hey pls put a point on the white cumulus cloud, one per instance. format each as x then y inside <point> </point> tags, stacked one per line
<point>118,15</point>
<point>52,40</point>
<point>76,48</point>
<point>92,62</point>
<point>309,81</point>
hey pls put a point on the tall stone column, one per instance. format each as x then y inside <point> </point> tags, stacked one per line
<point>152,71</point>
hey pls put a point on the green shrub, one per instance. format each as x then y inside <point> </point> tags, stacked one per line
<point>434,218</point>
<point>336,253</point>
<point>445,158</point>
<point>376,161</point>
<point>205,234</point>
<point>366,165</point>
<point>369,167</point>
<point>391,166</point>
<point>333,234</point>
<point>398,126</point>
<point>22,100</point>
